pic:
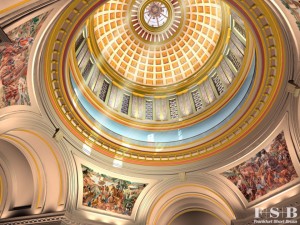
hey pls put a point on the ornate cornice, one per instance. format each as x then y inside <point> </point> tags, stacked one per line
<point>35,219</point>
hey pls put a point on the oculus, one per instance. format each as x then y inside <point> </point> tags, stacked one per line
<point>156,14</point>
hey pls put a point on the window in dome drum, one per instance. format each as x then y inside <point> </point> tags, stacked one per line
<point>197,100</point>
<point>78,42</point>
<point>149,110</point>
<point>125,104</point>
<point>87,70</point>
<point>81,53</point>
<point>218,84</point>
<point>104,91</point>
<point>234,60</point>
<point>173,108</point>
<point>240,29</point>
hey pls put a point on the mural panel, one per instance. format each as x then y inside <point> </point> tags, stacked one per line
<point>13,62</point>
<point>294,7</point>
<point>268,170</point>
<point>109,193</point>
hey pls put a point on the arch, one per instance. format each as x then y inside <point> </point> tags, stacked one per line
<point>19,179</point>
<point>45,164</point>
<point>191,216</point>
<point>185,197</point>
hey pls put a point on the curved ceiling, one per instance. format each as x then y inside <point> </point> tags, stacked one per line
<point>202,113</point>
<point>171,120</point>
<point>157,55</point>
<point>160,132</point>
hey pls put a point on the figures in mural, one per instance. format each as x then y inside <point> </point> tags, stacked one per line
<point>13,63</point>
<point>13,68</point>
<point>269,169</point>
<point>110,194</point>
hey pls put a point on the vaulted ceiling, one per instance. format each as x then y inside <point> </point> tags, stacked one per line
<point>148,112</point>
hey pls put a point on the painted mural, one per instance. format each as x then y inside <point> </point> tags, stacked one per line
<point>294,7</point>
<point>109,193</point>
<point>13,62</point>
<point>268,170</point>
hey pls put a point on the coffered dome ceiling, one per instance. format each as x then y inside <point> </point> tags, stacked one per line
<point>157,42</point>
<point>162,82</point>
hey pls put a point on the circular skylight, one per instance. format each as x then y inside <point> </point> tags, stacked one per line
<point>156,14</point>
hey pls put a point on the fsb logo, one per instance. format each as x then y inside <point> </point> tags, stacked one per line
<point>275,213</point>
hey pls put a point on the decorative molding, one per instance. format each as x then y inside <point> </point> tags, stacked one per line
<point>53,218</point>
<point>36,219</point>
<point>72,222</point>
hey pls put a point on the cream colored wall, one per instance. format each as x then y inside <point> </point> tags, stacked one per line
<point>51,156</point>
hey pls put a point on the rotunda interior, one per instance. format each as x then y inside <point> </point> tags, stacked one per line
<point>149,112</point>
